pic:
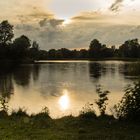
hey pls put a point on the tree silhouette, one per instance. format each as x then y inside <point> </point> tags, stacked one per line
<point>6,32</point>
<point>21,46</point>
<point>129,107</point>
<point>130,48</point>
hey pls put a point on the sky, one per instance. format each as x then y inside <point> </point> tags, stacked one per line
<point>73,24</point>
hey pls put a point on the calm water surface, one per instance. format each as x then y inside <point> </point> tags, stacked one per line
<point>65,86</point>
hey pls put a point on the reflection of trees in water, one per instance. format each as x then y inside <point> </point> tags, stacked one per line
<point>96,70</point>
<point>21,75</point>
<point>35,72</point>
<point>6,85</point>
<point>130,70</point>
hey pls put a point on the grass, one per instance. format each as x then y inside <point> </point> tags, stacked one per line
<point>87,126</point>
<point>42,127</point>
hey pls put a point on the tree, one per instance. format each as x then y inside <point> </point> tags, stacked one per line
<point>95,49</point>
<point>23,42</point>
<point>6,32</point>
<point>21,46</point>
<point>95,44</point>
<point>130,48</point>
<point>35,45</point>
<point>52,54</point>
<point>34,51</point>
<point>129,107</point>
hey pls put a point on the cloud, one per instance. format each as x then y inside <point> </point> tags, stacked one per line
<point>51,33</point>
<point>116,5</point>
<point>79,35</point>
<point>94,17</point>
<point>87,16</point>
<point>35,14</point>
<point>51,22</point>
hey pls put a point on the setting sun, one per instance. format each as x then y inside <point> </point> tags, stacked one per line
<point>67,21</point>
<point>64,100</point>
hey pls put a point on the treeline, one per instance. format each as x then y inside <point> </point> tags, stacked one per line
<point>21,48</point>
<point>130,49</point>
<point>18,49</point>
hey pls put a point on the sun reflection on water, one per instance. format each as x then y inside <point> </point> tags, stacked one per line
<point>64,100</point>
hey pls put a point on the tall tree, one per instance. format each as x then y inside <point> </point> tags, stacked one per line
<point>94,48</point>
<point>21,46</point>
<point>130,48</point>
<point>34,51</point>
<point>6,32</point>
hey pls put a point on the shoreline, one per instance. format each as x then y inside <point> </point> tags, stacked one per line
<point>104,59</point>
<point>12,62</point>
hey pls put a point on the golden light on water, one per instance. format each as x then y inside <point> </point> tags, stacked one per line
<point>64,100</point>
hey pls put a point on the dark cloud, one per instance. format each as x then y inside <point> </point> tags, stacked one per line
<point>116,5</point>
<point>51,22</point>
<point>56,22</point>
<point>43,22</point>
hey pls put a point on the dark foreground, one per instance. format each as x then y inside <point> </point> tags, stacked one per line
<point>66,128</point>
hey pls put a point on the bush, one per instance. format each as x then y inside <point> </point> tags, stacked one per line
<point>129,107</point>
<point>42,119</point>
<point>88,112</point>
<point>3,107</point>
<point>21,112</point>
<point>3,114</point>
<point>43,114</point>
<point>3,104</point>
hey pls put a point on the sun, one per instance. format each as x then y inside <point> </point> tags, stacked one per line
<point>64,100</point>
<point>66,22</point>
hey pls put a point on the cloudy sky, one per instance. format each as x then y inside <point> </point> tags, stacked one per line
<point>73,23</point>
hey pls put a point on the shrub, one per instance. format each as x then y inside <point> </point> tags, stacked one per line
<point>3,107</point>
<point>42,119</point>
<point>3,104</point>
<point>88,111</point>
<point>21,112</point>
<point>43,114</point>
<point>129,107</point>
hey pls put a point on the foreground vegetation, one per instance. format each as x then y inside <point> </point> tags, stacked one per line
<point>124,123</point>
<point>67,128</point>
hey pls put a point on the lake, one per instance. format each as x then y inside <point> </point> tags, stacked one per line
<point>65,86</point>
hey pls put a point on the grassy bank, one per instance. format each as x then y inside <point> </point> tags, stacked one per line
<point>20,126</point>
